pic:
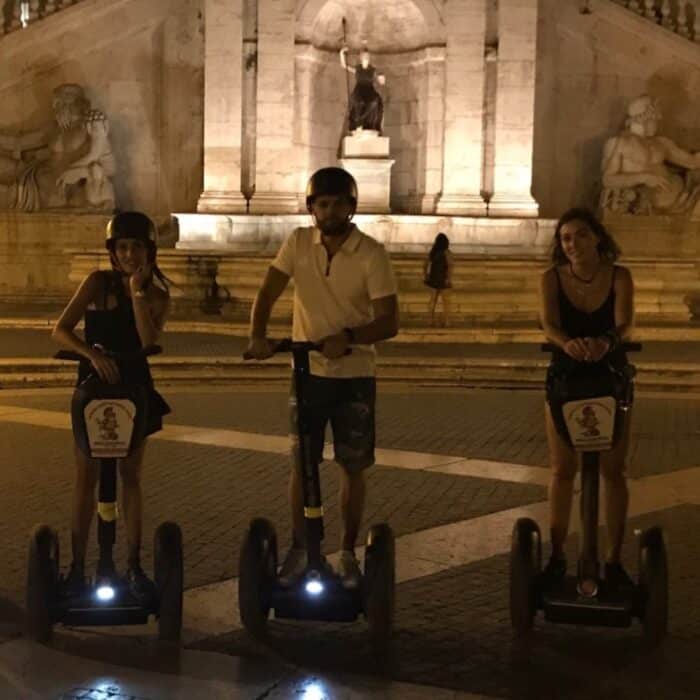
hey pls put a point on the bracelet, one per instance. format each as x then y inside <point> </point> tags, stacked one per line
<point>139,294</point>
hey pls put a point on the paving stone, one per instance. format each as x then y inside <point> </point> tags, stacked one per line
<point>453,630</point>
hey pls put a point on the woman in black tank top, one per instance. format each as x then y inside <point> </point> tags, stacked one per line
<point>124,310</point>
<point>437,274</point>
<point>587,309</point>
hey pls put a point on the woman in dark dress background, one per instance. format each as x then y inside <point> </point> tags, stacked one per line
<point>437,274</point>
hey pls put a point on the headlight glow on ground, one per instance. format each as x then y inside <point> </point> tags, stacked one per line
<point>314,691</point>
<point>314,587</point>
<point>105,593</point>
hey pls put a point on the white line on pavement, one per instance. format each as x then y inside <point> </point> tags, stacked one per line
<point>278,444</point>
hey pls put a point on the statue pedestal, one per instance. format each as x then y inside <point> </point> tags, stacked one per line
<point>366,157</point>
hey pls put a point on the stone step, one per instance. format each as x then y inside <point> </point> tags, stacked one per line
<point>488,289</point>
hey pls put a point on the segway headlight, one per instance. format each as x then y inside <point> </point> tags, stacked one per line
<point>105,593</point>
<point>314,585</point>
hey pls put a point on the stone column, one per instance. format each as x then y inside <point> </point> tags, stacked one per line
<point>276,166</point>
<point>435,118</point>
<point>465,24</point>
<point>515,109</point>
<point>222,107</point>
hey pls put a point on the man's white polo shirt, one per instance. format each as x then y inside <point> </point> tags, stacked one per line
<point>330,296</point>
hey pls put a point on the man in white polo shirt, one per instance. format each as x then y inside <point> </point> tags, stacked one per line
<point>344,297</point>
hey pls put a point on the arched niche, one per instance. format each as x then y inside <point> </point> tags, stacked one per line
<point>387,25</point>
<point>406,39</point>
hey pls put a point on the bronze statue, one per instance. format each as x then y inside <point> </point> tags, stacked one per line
<point>366,108</point>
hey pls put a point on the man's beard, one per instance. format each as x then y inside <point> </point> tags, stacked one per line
<point>334,228</point>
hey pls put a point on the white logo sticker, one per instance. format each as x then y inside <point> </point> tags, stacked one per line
<point>591,423</point>
<point>110,424</point>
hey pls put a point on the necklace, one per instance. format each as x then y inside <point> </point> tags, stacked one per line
<point>581,279</point>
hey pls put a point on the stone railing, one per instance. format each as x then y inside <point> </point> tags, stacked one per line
<point>682,18</point>
<point>16,14</point>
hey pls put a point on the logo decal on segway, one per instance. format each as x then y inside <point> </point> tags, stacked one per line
<point>110,424</point>
<point>591,423</point>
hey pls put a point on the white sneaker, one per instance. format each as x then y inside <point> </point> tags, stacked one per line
<point>349,569</point>
<point>293,566</point>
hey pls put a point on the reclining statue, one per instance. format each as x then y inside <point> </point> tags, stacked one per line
<point>644,173</point>
<point>68,165</point>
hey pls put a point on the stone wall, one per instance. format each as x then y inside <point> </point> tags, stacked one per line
<point>141,63</point>
<point>588,69</point>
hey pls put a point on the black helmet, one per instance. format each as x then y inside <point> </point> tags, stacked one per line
<point>333,181</point>
<point>130,224</point>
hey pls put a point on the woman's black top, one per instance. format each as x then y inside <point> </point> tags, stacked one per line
<point>583,324</point>
<point>115,329</point>
<point>437,271</point>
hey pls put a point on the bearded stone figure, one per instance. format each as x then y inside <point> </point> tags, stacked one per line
<point>645,173</point>
<point>69,165</point>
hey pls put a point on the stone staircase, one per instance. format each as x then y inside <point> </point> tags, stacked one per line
<point>488,291</point>
<point>17,14</point>
<point>681,18</point>
<point>495,299</point>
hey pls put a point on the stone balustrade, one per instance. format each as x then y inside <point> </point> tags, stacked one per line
<point>682,18</point>
<point>17,14</point>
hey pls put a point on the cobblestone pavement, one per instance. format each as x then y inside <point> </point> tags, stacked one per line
<point>503,426</point>
<point>453,627</point>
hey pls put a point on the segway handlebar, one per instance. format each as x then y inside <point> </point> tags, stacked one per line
<point>289,345</point>
<point>626,347</point>
<point>143,352</point>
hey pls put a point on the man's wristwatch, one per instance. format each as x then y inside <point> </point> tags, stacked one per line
<point>350,335</point>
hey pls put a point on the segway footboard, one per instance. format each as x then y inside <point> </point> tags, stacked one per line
<point>607,609</point>
<point>334,604</point>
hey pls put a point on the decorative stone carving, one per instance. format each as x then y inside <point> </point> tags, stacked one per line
<point>68,165</point>
<point>366,108</point>
<point>644,173</point>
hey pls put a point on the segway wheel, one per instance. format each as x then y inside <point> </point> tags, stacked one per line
<point>167,568</point>
<point>653,585</point>
<point>256,575</point>
<point>525,565</point>
<point>379,582</point>
<point>42,582</point>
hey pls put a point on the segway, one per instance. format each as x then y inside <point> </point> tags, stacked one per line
<point>318,593</point>
<point>588,403</point>
<point>109,422</point>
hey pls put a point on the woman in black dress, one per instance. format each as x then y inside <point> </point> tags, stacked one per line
<point>124,309</point>
<point>587,309</point>
<point>437,274</point>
